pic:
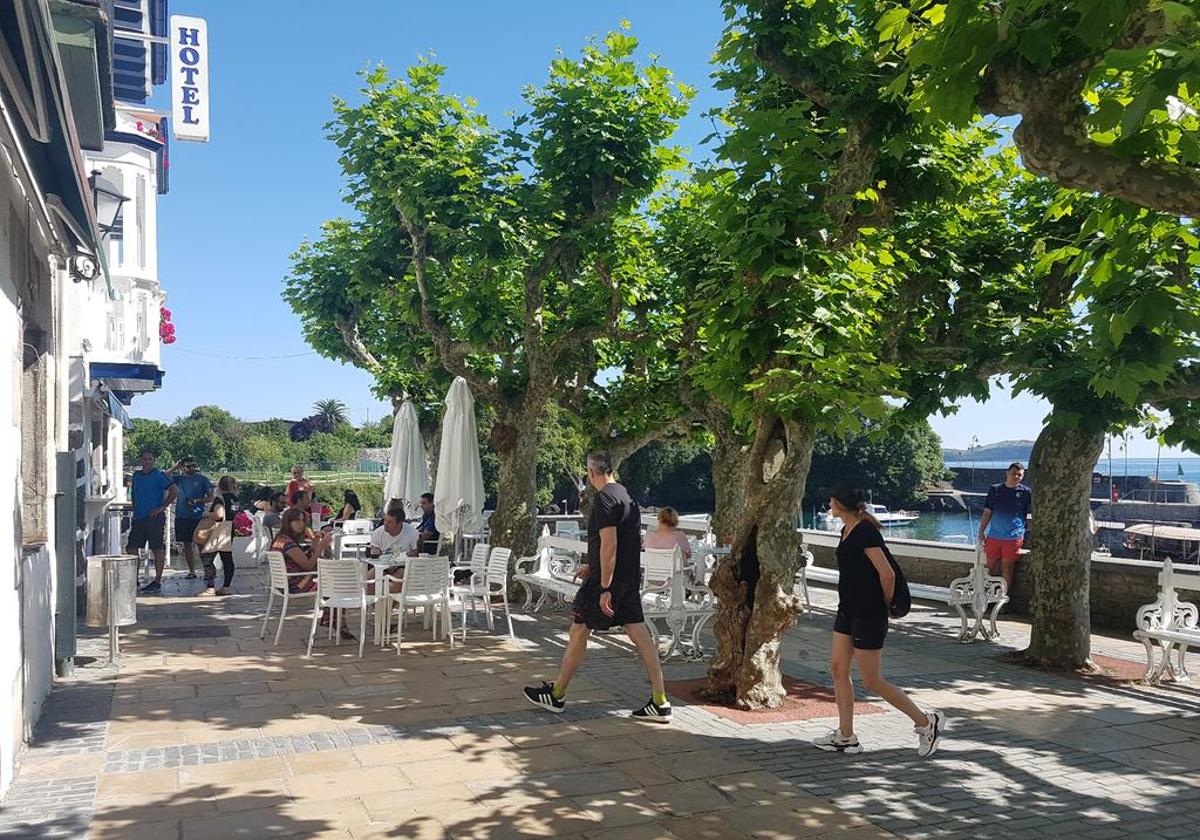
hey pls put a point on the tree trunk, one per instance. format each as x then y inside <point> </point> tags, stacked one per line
<point>514,524</point>
<point>754,583</point>
<point>730,469</point>
<point>1061,469</point>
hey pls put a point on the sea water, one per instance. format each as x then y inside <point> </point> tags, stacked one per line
<point>940,526</point>
<point>1169,469</point>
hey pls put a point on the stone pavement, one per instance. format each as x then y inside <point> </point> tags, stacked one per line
<point>205,731</point>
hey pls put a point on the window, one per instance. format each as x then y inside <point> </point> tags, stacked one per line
<point>116,236</point>
<point>35,399</point>
<point>139,210</point>
<point>143,339</point>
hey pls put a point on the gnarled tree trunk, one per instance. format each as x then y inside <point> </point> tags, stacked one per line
<point>730,465</point>
<point>754,583</point>
<point>514,524</point>
<point>1061,469</point>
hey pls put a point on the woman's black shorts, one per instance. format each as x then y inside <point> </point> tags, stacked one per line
<point>868,632</point>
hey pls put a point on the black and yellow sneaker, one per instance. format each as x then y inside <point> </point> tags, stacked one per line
<point>543,696</point>
<point>653,713</point>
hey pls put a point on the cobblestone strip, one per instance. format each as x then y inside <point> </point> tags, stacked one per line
<point>49,808</point>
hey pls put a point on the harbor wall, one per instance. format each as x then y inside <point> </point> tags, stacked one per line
<point>1137,487</point>
<point>1118,587</point>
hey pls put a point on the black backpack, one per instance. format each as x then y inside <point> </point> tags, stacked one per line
<point>901,597</point>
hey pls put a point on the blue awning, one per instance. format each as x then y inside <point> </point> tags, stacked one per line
<point>117,410</point>
<point>126,377</point>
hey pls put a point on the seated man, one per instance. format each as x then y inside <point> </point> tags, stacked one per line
<point>428,525</point>
<point>394,536</point>
<point>273,517</point>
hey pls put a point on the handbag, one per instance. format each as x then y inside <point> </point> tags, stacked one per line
<point>901,597</point>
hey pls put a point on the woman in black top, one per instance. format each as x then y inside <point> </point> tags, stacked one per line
<point>350,506</point>
<point>865,586</point>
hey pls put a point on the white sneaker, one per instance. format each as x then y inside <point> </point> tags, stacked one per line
<point>930,735</point>
<point>835,741</point>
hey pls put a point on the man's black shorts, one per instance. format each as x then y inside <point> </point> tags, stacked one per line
<point>868,632</point>
<point>146,533</point>
<point>185,529</point>
<point>626,603</point>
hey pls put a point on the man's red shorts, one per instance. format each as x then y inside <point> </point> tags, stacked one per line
<point>994,549</point>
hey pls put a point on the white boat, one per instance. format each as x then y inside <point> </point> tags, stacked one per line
<point>887,518</point>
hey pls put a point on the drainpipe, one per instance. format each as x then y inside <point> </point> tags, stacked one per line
<point>65,550</point>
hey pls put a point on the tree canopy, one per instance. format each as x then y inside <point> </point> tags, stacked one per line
<point>1105,90</point>
<point>501,255</point>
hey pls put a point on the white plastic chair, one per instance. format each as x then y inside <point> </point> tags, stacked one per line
<point>658,566</point>
<point>357,526</point>
<point>340,587</point>
<point>350,546</point>
<point>496,586</point>
<point>426,584</point>
<point>260,537</point>
<point>475,588</point>
<point>277,584</point>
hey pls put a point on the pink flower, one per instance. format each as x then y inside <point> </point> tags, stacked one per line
<point>243,525</point>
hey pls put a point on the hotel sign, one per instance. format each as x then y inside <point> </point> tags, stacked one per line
<point>189,78</point>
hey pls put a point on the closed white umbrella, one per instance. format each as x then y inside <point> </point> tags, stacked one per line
<point>458,497</point>
<point>408,474</point>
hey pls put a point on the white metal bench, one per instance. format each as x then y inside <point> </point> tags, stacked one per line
<point>670,595</point>
<point>977,591</point>
<point>1171,623</point>
<point>551,572</point>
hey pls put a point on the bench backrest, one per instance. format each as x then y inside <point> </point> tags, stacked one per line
<point>658,566</point>
<point>1172,577</point>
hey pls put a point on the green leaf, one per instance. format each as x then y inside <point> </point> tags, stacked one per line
<point>892,23</point>
<point>1135,112</point>
<point>1118,328</point>
<point>1176,14</point>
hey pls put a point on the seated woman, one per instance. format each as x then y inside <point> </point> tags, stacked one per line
<point>298,559</point>
<point>668,534</point>
<point>350,506</point>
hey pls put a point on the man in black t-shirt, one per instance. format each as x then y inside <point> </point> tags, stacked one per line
<point>610,595</point>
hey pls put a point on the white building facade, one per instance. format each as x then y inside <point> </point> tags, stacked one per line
<point>116,343</point>
<point>79,313</point>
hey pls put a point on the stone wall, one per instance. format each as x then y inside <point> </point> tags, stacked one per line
<point>1118,587</point>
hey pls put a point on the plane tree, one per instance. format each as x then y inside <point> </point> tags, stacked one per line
<point>1103,97</point>
<point>514,241</point>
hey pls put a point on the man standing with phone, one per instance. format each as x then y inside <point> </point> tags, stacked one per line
<point>610,595</point>
<point>195,493</point>
<point>153,492</point>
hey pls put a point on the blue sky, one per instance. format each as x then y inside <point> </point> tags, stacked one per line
<point>240,204</point>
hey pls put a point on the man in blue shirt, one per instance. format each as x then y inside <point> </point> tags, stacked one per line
<point>153,492</point>
<point>195,494</point>
<point>1002,526</point>
<point>428,526</point>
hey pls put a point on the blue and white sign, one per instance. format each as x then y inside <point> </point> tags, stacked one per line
<point>189,78</point>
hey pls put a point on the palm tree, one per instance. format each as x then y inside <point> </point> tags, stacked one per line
<point>333,411</point>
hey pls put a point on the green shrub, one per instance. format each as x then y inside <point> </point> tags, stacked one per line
<point>369,491</point>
